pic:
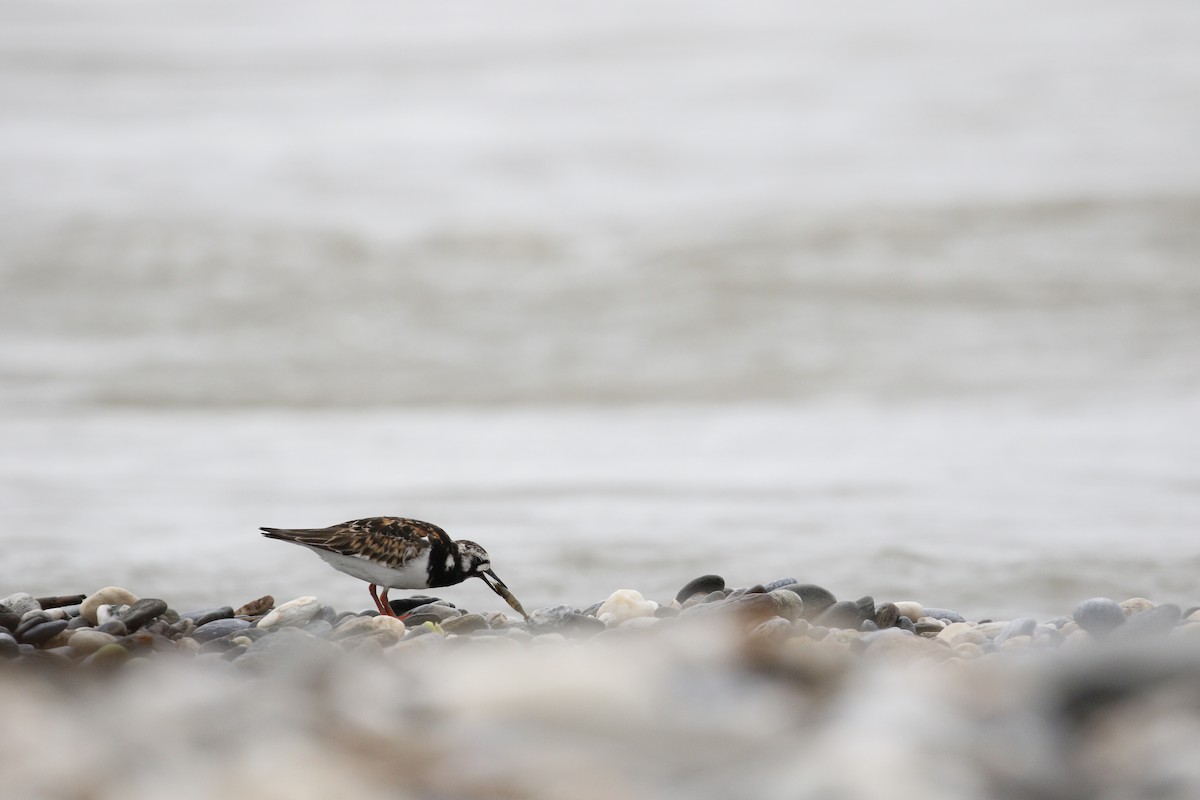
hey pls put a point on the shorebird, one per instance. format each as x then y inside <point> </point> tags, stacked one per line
<point>397,553</point>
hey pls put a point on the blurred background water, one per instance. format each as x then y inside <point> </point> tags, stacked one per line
<point>898,299</point>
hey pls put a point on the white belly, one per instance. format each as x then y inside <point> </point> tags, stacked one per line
<point>412,575</point>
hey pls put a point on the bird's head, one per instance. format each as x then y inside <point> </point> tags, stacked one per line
<point>477,563</point>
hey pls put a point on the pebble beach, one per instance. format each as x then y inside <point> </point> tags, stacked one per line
<point>777,689</point>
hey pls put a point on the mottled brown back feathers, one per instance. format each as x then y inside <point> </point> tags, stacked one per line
<point>392,541</point>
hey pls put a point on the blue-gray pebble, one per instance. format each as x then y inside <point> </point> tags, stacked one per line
<point>218,628</point>
<point>705,584</point>
<point>1099,616</point>
<point>944,614</point>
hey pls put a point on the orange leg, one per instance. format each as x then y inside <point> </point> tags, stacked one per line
<point>387,607</point>
<point>375,597</point>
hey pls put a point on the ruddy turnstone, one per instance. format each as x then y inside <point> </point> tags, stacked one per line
<point>398,553</point>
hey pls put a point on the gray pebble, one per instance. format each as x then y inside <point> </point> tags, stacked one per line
<point>711,597</point>
<point>1021,626</point>
<point>430,612</point>
<point>9,620</point>
<point>44,632</point>
<point>842,614</point>
<point>8,646</point>
<point>904,623</point>
<point>561,618</point>
<point>206,615</point>
<point>666,612</point>
<point>1099,616</point>
<point>78,622</point>
<point>922,628</point>
<point>20,603</point>
<point>816,598</point>
<point>30,621</point>
<point>779,584</point>
<point>142,612</point>
<point>318,627</point>
<point>219,628</point>
<point>36,614</point>
<point>944,614</point>
<point>114,627</point>
<point>869,626</point>
<point>705,584</point>
<point>403,605</point>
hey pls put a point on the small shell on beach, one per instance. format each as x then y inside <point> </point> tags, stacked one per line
<point>623,605</point>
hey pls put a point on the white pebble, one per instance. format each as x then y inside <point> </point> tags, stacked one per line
<point>293,612</point>
<point>108,613</point>
<point>911,609</point>
<point>957,633</point>
<point>391,625</point>
<point>105,597</point>
<point>623,605</point>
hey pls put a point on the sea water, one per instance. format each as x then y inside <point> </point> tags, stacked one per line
<point>901,301</point>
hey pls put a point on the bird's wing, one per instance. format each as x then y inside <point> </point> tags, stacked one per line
<point>392,541</point>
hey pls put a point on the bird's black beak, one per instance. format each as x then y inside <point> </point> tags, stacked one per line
<point>497,586</point>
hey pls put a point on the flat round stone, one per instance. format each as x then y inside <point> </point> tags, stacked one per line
<point>206,615</point>
<point>705,584</point>
<point>842,614</point>
<point>219,628</point>
<point>143,611</point>
<point>44,631</point>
